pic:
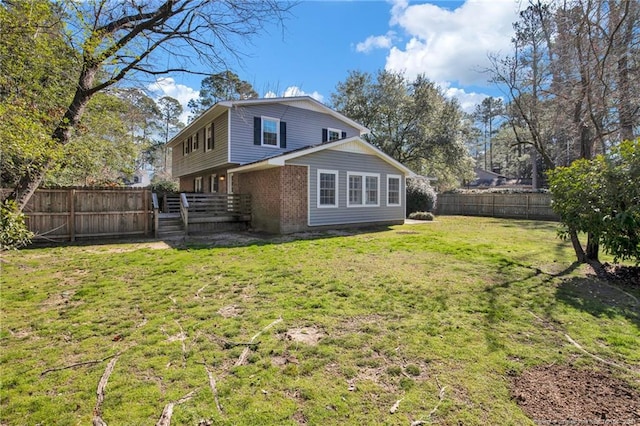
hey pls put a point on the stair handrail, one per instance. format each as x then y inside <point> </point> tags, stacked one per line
<point>184,212</point>
<point>156,213</point>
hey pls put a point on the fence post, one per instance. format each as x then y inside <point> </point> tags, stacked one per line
<point>72,215</point>
<point>493,205</point>
<point>145,204</point>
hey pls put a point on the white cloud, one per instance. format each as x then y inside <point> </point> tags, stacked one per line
<point>167,86</point>
<point>451,45</point>
<point>376,42</point>
<point>468,101</point>
<point>292,91</point>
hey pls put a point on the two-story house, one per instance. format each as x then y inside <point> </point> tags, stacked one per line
<point>304,165</point>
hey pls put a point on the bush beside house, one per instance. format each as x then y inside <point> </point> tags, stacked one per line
<point>421,197</point>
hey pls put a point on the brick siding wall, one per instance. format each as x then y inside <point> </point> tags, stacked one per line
<point>278,198</point>
<point>294,199</point>
<point>264,187</point>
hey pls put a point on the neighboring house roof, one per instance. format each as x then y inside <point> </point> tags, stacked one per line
<point>305,102</point>
<point>281,159</point>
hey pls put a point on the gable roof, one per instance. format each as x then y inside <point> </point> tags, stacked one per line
<point>304,102</point>
<point>281,159</point>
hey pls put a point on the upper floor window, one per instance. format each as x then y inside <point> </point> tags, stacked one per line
<point>269,132</point>
<point>333,134</point>
<point>196,141</point>
<point>187,145</point>
<point>209,138</point>
<point>393,190</point>
<point>327,188</point>
<point>329,135</point>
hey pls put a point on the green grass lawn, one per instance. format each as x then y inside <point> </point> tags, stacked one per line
<point>440,316</point>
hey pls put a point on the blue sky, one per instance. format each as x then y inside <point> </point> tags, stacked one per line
<point>323,40</point>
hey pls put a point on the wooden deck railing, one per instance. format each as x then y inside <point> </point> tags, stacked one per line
<point>184,212</point>
<point>222,206</point>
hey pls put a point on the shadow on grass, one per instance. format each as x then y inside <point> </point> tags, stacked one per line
<point>497,311</point>
<point>599,298</point>
<point>218,239</point>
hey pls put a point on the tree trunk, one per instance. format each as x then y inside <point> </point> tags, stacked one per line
<point>577,247</point>
<point>593,247</point>
<point>28,184</point>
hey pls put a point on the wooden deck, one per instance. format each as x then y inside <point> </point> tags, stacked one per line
<point>205,213</point>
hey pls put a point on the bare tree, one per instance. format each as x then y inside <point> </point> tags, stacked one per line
<point>118,39</point>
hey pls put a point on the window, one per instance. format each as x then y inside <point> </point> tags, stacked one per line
<point>186,146</point>
<point>196,141</point>
<point>209,138</point>
<point>371,198</point>
<point>327,188</point>
<point>197,184</point>
<point>214,183</point>
<point>393,190</point>
<point>355,190</point>
<point>270,133</point>
<point>333,134</point>
<point>329,135</point>
<point>363,189</point>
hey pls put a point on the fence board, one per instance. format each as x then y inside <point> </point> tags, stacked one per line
<point>71,213</point>
<point>515,206</point>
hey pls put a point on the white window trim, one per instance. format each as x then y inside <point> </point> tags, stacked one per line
<point>389,177</point>
<point>364,189</point>
<point>338,131</point>
<point>262,119</point>
<point>197,183</point>
<point>327,206</point>
<point>208,132</point>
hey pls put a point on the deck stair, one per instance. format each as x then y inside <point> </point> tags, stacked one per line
<point>170,225</point>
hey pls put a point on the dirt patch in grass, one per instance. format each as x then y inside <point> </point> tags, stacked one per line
<point>230,311</point>
<point>565,395</point>
<point>307,335</point>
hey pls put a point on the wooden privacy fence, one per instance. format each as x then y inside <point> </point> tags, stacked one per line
<point>72,213</point>
<point>516,206</point>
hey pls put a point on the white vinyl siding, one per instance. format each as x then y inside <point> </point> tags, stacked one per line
<point>303,129</point>
<point>327,188</point>
<point>187,163</point>
<point>343,162</point>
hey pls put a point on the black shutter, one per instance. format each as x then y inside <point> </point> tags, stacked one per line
<point>283,134</point>
<point>344,135</point>
<point>257,131</point>
<point>325,135</point>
